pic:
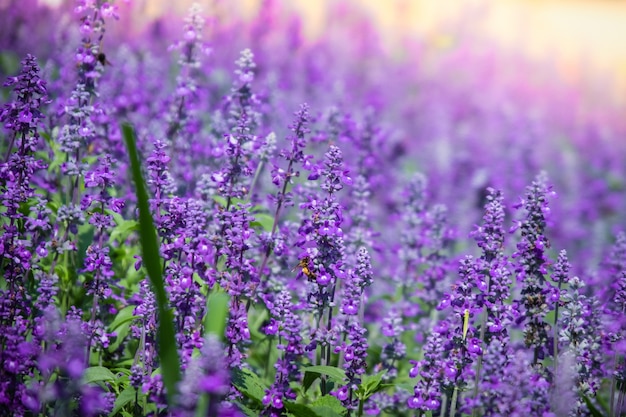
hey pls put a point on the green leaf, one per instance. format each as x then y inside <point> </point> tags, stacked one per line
<point>371,384</point>
<point>219,200</point>
<point>249,384</point>
<point>245,410</point>
<point>97,373</point>
<point>337,374</point>
<point>123,230</point>
<point>86,233</point>
<point>9,62</point>
<point>126,396</point>
<point>592,408</point>
<point>328,405</point>
<point>123,316</point>
<point>168,353</point>
<point>309,379</point>
<point>263,220</point>
<point>300,410</point>
<point>217,312</point>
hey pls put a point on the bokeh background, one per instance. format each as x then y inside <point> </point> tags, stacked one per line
<point>582,41</point>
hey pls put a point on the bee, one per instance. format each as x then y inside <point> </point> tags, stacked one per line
<point>102,58</point>
<point>304,265</point>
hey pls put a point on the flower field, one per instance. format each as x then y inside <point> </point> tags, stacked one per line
<point>214,217</point>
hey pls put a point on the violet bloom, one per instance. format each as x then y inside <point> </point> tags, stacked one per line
<point>430,370</point>
<point>233,178</point>
<point>288,327</point>
<point>393,350</point>
<point>413,237</point>
<point>360,234</point>
<point>282,178</point>
<point>580,329</point>
<point>20,246</point>
<point>354,345</point>
<point>64,357</point>
<point>531,267</point>
<point>493,282</point>
<point>183,106</point>
<point>206,374</point>
<point>321,235</point>
<point>98,264</point>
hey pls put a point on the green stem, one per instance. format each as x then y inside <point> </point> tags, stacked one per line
<point>453,402</point>
<point>556,334</point>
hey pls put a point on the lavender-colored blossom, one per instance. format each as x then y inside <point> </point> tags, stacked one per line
<point>430,370</point>
<point>580,328</point>
<point>206,375</point>
<point>288,327</point>
<point>531,267</point>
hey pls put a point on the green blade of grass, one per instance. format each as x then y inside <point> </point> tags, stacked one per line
<point>168,354</point>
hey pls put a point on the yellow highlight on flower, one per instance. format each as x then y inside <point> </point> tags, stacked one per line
<point>465,323</point>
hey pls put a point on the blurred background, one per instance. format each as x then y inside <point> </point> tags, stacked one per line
<point>583,41</point>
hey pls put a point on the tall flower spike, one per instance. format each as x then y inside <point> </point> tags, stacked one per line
<point>20,246</point>
<point>184,103</point>
<point>241,142</point>
<point>531,266</point>
<point>581,328</point>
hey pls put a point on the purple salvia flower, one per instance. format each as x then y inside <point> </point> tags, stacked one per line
<point>393,350</point>
<point>19,246</point>
<point>159,178</point>
<point>97,263</point>
<point>531,267</point>
<point>413,218</point>
<point>237,334</point>
<point>435,259</point>
<point>354,347</point>
<point>360,234</point>
<point>580,328</point>
<point>182,109</point>
<point>65,357</point>
<point>241,143</point>
<point>145,329</point>
<point>430,370</point>
<point>493,281</point>
<point>613,267</point>
<point>89,59</point>
<point>281,178</point>
<point>287,325</point>
<point>206,374</point>
<point>322,244</point>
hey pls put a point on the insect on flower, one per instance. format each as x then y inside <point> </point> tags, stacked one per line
<point>304,265</point>
<point>102,59</point>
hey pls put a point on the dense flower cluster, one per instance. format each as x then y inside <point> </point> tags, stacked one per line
<point>343,257</point>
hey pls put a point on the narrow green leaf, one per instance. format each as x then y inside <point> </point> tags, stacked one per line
<point>97,373</point>
<point>592,408</point>
<point>124,398</point>
<point>168,354</point>
<point>217,312</point>
<point>331,371</point>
